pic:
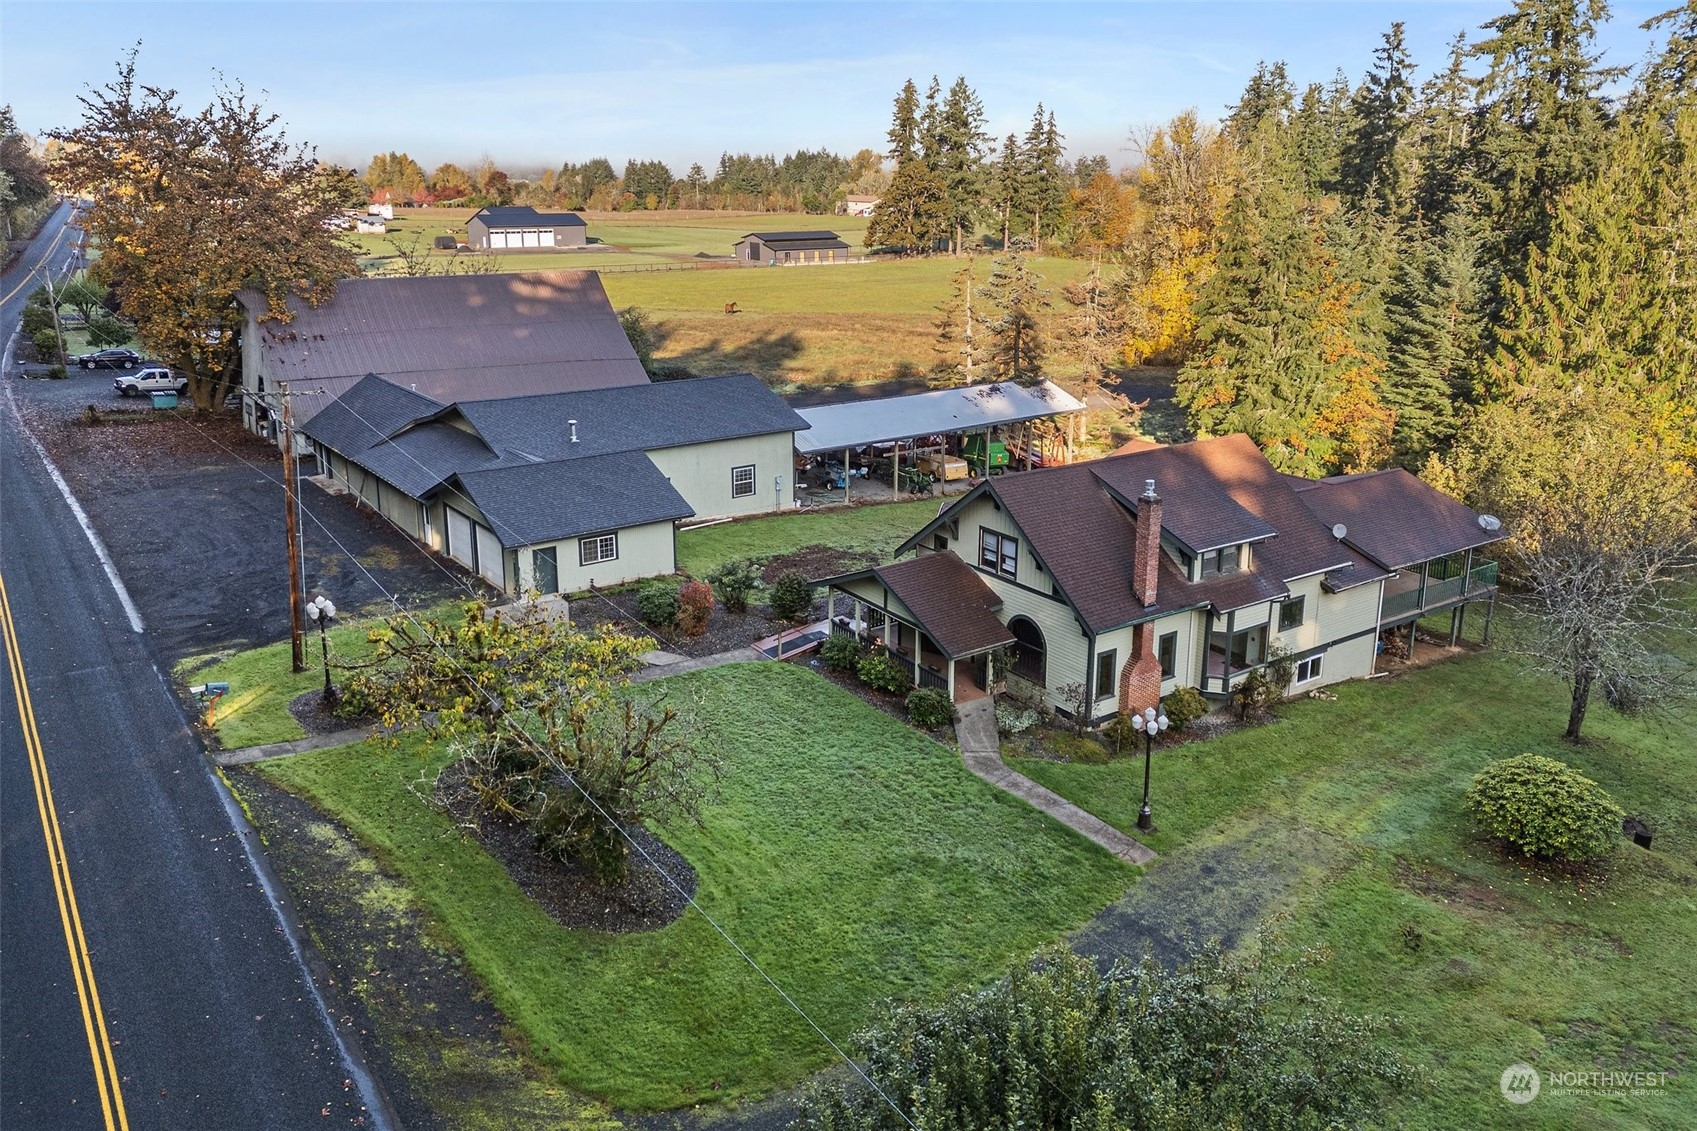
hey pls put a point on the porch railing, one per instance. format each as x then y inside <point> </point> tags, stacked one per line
<point>929,678</point>
<point>1439,592</point>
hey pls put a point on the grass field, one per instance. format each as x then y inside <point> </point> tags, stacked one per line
<point>849,323</point>
<point>870,531</point>
<point>1487,962</point>
<point>854,859</point>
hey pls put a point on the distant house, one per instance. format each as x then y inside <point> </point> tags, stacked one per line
<point>525,229</point>
<point>859,205</point>
<point>452,338</point>
<point>780,248</point>
<point>562,491</point>
<point>1120,580</point>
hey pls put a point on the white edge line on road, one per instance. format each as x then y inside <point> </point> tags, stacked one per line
<point>100,551</point>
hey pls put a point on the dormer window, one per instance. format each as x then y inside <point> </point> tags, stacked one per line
<point>1220,561</point>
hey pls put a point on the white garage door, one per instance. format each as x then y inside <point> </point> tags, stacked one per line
<point>489,556</point>
<point>547,237</point>
<point>462,547</point>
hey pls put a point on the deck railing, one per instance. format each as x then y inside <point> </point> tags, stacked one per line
<point>929,678</point>
<point>1439,592</point>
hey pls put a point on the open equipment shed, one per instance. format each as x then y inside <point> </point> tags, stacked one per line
<point>1004,407</point>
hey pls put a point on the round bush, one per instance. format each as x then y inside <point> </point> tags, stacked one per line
<point>1545,808</point>
<point>791,596</point>
<point>1184,706</point>
<point>840,652</point>
<point>695,607</point>
<point>734,581</point>
<point>658,605</point>
<point>884,672</point>
<point>929,708</point>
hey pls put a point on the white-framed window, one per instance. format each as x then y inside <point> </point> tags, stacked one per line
<point>742,481</point>
<point>1308,670</point>
<point>998,553</point>
<point>594,548</point>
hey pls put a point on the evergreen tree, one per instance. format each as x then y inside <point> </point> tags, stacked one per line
<point>1443,139</point>
<point>1016,300</point>
<point>1005,187</point>
<point>1317,133</point>
<point>959,142</point>
<point>958,342</point>
<point>913,215</point>
<point>1541,120</point>
<point>1669,80</point>
<point>1042,181</point>
<point>1437,334</point>
<point>904,124</point>
<point>1268,95</point>
<point>1092,331</point>
<point>697,181</point>
<point>1375,157</point>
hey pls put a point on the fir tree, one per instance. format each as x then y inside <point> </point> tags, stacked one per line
<point>904,124</point>
<point>1442,140</point>
<point>959,160</point>
<point>1375,157</point>
<point>1005,187</point>
<point>1016,299</point>
<point>1269,95</point>
<point>1042,181</point>
<point>958,342</point>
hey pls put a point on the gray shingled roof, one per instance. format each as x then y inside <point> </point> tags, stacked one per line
<point>665,414</point>
<point>452,338</point>
<point>370,411</point>
<point>544,502</point>
<point>523,216</point>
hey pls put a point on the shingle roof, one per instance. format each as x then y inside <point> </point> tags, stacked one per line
<point>421,459</point>
<point>452,338</point>
<point>544,502</point>
<point>518,216</point>
<point>950,601</point>
<point>1394,518</point>
<point>369,411</point>
<point>665,414</point>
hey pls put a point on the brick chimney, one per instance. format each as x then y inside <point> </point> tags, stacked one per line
<point>1146,552</point>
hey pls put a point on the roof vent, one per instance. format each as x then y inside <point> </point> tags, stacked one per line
<point>1339,531</point>
<point>572,424</point>
<point>1490,523</point>
<point>1148,488</point>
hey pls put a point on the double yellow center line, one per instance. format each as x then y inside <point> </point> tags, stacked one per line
<point>82,966</point>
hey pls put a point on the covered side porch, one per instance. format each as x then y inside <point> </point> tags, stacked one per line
<point>1450,583</point>
<point>932,612</point>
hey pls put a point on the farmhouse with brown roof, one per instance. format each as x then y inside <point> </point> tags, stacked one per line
<point>1119,580</point>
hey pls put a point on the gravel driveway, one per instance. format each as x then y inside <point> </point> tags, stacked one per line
<point>192,512</point>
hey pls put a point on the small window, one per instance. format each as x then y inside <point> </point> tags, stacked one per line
<point>1167,649</point>
<point>545,570</point>
<point>999,553</point>
<point>1308,670</point>
<point>742,482</point>
<point>1291,613</point>
<point>939,542</point>
<point>597,548</point>
<point>1219,561</point>
<point>1105,668</point>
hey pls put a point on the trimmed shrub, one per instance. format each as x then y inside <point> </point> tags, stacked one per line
<point>36,319</point>
<point>108,331</point>
<point>1545,808</point>
<point>840,652</point>
<point>695,607</point>
<point>929,708</point>
<point>57,373</point>
<point>734,581</point>
<point>1184,706</point>
<point>1013,719</point>
<point>791,596</point>
<point>883,672</point>
<point>658,606</point>
<point>46,344</point>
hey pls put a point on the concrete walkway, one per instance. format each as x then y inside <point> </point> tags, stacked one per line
<point>981,750</point>
<point>250,754</point>
<point>662,664</point>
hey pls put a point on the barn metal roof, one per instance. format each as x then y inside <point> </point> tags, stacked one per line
<point>858,423</point>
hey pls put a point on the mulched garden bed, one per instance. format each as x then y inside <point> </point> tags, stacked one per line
<point>894,706</point>
<point>569,893</point>
<point>315,718</point>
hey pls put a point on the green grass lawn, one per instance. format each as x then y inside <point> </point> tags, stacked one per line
<point>853,858</point>
<point>874,531</point>
<point>1487,962</point>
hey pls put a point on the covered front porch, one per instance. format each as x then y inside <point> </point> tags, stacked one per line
<point>933,613</point>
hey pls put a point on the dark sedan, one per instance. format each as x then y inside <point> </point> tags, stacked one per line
<point>110,359</point>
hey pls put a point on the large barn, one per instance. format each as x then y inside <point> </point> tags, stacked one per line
<point>525,229</point>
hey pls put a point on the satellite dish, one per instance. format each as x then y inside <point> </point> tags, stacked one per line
<point>1490,522</point>
<point>1339,530</point>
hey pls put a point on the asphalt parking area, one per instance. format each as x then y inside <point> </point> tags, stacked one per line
<point>191,510</point>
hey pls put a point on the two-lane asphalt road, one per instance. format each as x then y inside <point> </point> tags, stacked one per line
<point>147,979</point>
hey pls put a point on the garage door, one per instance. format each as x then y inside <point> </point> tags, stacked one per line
<point>462,547</point>
<point>489,556</point>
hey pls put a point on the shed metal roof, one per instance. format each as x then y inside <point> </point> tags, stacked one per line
<point>858,423</point>
<point>523,216</point>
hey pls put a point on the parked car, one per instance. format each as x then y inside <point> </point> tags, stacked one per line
<point>153,379</point>
<point>109,359</point>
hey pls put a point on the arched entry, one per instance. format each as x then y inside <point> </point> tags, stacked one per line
<point>1028,664</point>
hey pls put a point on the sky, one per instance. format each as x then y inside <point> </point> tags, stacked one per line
<point>532,85</point>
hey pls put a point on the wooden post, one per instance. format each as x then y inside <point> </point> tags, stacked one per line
<point>297,627</point>
<point>1455,623</point>
<point>896,469</point>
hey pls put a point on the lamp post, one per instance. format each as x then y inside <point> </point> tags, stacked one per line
<point>1148,724</point>
<point>322,611</point>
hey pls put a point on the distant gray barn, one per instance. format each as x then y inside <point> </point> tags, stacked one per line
<point>780,248</point>
<point>525,229</point>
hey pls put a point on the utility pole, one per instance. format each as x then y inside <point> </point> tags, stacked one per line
<point>297,627</point>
